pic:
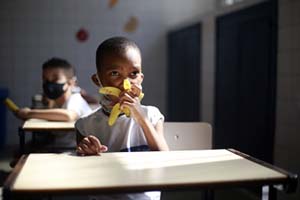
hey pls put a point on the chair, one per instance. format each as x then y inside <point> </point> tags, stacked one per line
<point>187,136</point>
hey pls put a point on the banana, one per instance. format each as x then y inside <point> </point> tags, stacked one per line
<point>11,105</point>
<point>114,114</point>
<point>110,91</point>
<point>126,85</point>
<point>116,110</point>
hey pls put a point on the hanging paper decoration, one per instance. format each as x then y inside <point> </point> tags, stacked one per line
<point>82,35</point>
<point>112,3</point>
<point>131,24</point>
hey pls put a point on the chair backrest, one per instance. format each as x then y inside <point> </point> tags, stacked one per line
<point>188,135</point>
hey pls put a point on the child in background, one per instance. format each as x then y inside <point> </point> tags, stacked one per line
<point>118,59</point>
<point>58,82</point>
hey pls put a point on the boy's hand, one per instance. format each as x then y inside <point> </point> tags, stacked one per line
<point>131,100</point>
<point>90,145</point>
<point>135,91</point>
<point>23,113</point>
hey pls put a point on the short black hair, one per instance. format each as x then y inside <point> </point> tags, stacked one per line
<point>54,63</point>
<point>116,45</point>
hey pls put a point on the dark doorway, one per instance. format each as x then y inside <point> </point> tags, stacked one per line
<point>184,74</point>
<point>246,81</point>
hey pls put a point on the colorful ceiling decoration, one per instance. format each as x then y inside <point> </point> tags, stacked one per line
<point>112,3</point>
<point>82,35</point>
<point>131,25</point>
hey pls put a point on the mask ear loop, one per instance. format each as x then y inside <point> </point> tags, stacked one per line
<point>98,79</point>
<point>104,99</point>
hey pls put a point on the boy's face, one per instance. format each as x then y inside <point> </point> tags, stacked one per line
<point>55,75</point>
<point>115,68</point>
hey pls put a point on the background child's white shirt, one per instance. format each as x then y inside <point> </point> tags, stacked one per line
<point>77,103</point>
<point>124,135</point>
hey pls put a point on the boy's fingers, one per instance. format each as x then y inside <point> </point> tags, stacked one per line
<point>79,150</point>
<point>103,148</point>
<point>127,98</point>
<point>136,90</point>
<point>87,149</point>
<point>86,141</point>
<point>95,142</point>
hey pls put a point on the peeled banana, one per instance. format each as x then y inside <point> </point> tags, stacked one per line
<point>116,110</point>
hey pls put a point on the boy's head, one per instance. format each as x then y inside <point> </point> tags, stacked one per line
<point>58,77</point>
<point>118,58</point>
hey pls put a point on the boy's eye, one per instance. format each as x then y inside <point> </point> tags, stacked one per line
<point>114,73</point>
<point>134,74</point>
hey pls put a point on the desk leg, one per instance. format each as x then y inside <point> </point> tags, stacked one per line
<point>208,194</point>
<point>269,193</point>
<point>22,140</point>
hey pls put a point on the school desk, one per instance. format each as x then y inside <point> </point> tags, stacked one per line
<point>38,125</point>
<point>39,175</point>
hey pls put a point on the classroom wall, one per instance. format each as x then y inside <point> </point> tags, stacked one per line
<point>32,31</point>
<point>287,148</point>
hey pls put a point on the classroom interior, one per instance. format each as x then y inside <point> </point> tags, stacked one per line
<point>33,31</point>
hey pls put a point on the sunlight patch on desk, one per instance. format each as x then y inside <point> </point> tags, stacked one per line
<point>146,161</point>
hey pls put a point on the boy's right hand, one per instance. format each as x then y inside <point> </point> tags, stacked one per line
<point>90,145</point>
<point>23,113</point>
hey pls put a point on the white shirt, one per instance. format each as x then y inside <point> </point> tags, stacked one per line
<point>77,103</point>
<point>124,135</point>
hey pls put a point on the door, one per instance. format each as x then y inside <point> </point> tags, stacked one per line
<point>184,74</point>
<point>246,81</point>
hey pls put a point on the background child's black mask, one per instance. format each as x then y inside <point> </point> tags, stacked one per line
<point>53,90</point>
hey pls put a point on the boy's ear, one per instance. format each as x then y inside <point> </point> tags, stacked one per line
<point>142,76</point>
<point>72,81</point>
<point>95,80</point>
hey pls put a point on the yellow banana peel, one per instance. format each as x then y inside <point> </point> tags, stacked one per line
<point>114,114</point>
<point>11,105</point>
<point>110,91</point>
<point>116,110</point>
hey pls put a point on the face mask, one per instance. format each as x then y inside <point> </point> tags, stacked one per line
<point>104,100</point>
<point>53,90</point>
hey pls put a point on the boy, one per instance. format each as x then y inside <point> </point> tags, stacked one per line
<point>58,83</point>
<point>118,59</point>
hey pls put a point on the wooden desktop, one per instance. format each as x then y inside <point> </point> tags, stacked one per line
<point>38,125</point>
<point>69,174</point>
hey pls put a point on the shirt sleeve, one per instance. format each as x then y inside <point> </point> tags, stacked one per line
<point>79,127</point>
<point>78,104</point>
<point>154,115</point>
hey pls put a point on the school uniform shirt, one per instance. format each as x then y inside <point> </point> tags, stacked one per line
<point>125,135</point>
<point>77,103</point>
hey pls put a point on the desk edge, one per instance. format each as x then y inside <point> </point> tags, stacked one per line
<point>10,180</point>
<point>290,186</point>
